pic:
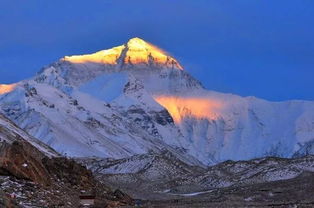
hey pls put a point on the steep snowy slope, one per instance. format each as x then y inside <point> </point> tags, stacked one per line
<point>10,133</point>
<point>135,98</point>
<point>81,125</point>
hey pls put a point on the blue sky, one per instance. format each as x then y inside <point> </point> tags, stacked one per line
<point>247,47</point>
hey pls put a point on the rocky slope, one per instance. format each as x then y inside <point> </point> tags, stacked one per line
<point>296,192</point>
<point>163,181</point>
<point>136,98</point>
<point>141,175</point>
<point>34,175</point>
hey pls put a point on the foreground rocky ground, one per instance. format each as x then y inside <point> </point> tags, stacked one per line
<point>70,181</point>
<point>33,175</point>
<point>297,192</point>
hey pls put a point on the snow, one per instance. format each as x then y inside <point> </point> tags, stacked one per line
<point>193,193</point>
<point>106,87</point>
<point>243,128</point>
<point>110,109</point>
<point>166,191</point>
<point>248,199</point>
<point>14,131</point>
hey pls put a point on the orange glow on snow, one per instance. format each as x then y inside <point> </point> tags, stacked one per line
<point>137,52</point>
<point>102,57</point>
<point>181,107</point>
<point>6,88</point>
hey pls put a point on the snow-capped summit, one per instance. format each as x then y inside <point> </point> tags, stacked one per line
<point>135,52</point>
<point>157,70</point>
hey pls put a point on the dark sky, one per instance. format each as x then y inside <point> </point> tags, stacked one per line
<point>263,48</point>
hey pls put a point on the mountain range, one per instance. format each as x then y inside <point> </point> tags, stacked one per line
<point>136,99</point>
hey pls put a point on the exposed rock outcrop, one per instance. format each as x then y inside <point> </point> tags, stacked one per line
<point>22,161</point>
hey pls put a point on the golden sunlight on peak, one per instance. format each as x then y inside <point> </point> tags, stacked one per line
<point>135,51</point>
<point>109,56</point>
<point>195,107</point>
<point>7,88</point>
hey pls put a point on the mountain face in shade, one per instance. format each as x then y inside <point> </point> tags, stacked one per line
<point>135,98</point>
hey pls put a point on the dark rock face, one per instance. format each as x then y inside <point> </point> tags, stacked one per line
<point>121,196</point>
<point>163,117</point>
<point>21,160</point>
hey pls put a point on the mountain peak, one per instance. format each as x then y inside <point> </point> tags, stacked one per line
<point>136,52</point>
<point>138,43</point>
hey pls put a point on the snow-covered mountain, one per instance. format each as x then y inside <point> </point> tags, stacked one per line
<point>135,98</point>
